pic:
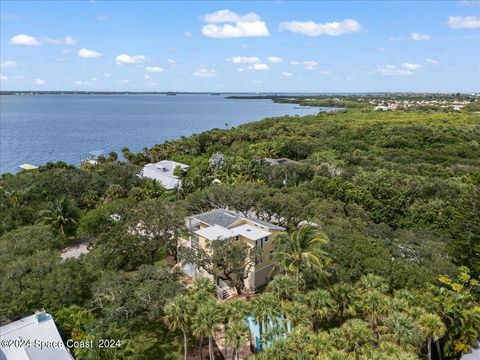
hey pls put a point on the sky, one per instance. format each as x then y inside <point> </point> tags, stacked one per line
<point>241,46</point>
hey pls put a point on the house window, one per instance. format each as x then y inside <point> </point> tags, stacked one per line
<point>265,239</point>
<point>237,238</point>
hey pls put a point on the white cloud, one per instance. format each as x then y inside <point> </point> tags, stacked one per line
<point>325,72</point>
<point>107,74</point>
<point>39,82</point>
<point>88,54</point>
<point>410,66</point>
<point>23,39</point>
<point>233,25</point>
<point>127,59</point>
<point>286,73</point>
<point>311,28</point>
<point>310,65</point>
<point>154,69</point>
<point>403,70</point>
<point>8,64</point>
<point>3,77</point>
<point>205,73</point>
<point>124,81</point>
<point>463,22</point>
<point>67,40</point>
<point>419,37</point>
<point>260,67</point>
<point>295,63</point>
<point>275,59</point>
<point>244,60</point>
<point>432,61</point>
<point>172,63</point>
<point>188,34</point>
<point>146,77</point>
<point>240,69</point>
<point>102,18</point>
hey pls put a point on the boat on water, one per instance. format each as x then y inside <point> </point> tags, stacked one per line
<point>171,93</point>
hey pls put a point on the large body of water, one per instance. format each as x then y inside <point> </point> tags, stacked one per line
<point>38,129</point>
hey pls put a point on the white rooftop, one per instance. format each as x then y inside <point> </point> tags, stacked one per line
<point>37,332</point>
<point>217,232</point>
<point>250,232</point>
<point>163,173</point>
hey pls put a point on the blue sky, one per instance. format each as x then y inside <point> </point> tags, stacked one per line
<point>281,46</point>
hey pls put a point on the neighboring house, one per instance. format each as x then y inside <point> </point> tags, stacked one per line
<point>28,335</point>
<point>271,161</point>
<point>163,173</point>
<point>222,224</point>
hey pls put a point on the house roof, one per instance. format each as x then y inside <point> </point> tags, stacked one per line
<point>32,328</point>
<point>250,232</point>
<point>226,218</point>
<point>28,167</point>
<point>215,232</point>
<point>163,173</point>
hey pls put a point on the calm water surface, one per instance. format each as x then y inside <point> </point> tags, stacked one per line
<point>38,129</point>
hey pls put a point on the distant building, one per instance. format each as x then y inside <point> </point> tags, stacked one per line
<point>272,161</point>
<point>163,173</point>
<point>31,333</point>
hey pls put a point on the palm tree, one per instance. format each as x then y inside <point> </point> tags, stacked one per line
<point>433,328</point>
<point>236,310</point>
<point>178,316</point>
<point>299,250</point>
<point>203,287</point>
<point>373,282</point>
<point>373,304</point>
<point>322,305</point>
<point>345,296</point>
<point>354,335</point>
<point>297,314</point>
<point>61,214</point>
<point>264,309</point>
<point>402,330</point>
<point>236,334</point>
<point>206,321</point>
<point>283,286</point>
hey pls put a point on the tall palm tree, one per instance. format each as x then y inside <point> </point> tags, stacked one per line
<point>264,309</point>
<point>236,334</point>
<point>403,330</point>
<point>236,310</point>
<point>373,282</point>
<point>299,250</point>
<point>61,214</point>
<point>373,304</point>
<point>297,314</point>
<point>345,297</point>
<point>355,335</point>
<point>283,286</point>
<point>322,305</point>
<point>178,316</point>
<point>433,328</point>
<point>206,321</point>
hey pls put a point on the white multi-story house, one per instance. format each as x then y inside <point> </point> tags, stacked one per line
<point>224,225</point>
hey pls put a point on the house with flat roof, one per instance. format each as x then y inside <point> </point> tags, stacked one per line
<point>163,172</point>
<point>226,225</point>
<point>34,337</point>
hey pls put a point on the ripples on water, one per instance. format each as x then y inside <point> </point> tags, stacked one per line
<point>38,129</point>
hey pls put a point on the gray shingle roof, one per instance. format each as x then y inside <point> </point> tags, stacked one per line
<point>225,218</point>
